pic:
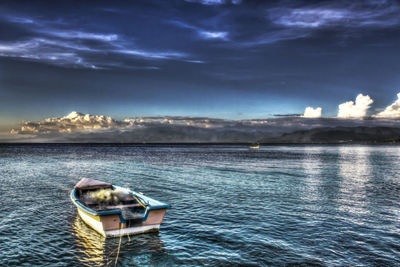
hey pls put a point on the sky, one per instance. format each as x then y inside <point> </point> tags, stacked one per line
<point>227,59</point>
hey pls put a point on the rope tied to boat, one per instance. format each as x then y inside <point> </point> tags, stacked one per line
<point>119,245</point>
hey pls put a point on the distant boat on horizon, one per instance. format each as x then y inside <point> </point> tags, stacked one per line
<point>115,211</point>
<point>255,146</point>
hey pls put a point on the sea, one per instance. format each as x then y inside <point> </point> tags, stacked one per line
<point>294,205</point>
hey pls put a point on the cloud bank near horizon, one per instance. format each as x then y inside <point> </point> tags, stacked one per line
<point>78,127</point>
<point>79,122</point>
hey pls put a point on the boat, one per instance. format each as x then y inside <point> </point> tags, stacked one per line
<point>255,147</point>
<point>115,211</point>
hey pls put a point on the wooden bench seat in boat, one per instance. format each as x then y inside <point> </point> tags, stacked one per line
<point>110,207</point>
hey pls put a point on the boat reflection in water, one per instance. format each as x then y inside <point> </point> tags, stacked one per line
<point>95,250</point>
<point>91,244</point>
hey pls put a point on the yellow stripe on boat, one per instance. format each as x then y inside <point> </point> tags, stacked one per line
<point>91,220</point>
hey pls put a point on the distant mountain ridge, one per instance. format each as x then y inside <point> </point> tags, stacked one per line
<point>339,135</point>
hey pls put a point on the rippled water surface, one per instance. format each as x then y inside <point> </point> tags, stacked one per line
<point>280,205</point>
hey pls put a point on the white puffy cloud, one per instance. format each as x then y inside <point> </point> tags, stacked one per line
<point>311,112</point>
<point>392,111</point>
<point>355,110</point>
<point>73,122</point>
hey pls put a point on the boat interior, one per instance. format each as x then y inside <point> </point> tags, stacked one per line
<point>104,198</point>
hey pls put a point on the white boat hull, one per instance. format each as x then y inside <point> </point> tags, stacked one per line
<point>133,230</point>
<point>97,225</point>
